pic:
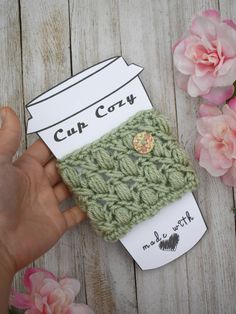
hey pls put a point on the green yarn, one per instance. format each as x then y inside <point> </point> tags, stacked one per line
<point>117,186</point>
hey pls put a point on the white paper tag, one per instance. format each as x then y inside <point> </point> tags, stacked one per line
<point>171,233</point>
<point>87,106</point>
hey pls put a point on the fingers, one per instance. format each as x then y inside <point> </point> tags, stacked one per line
<point>40,152</point>
<point>10,133</point>
<point>74,216</point>
<point>61,192</point>
<point>52,172</point>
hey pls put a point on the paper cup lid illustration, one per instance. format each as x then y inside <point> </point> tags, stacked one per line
<point>90,88</point>
<point>95,85</point>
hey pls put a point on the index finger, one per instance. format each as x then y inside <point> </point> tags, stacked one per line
<point>40,152</point>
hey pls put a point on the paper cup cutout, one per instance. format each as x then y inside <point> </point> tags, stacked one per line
<point>109,92</point>
<point>88,105</point>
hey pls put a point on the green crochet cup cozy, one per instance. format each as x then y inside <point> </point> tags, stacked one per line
<point>118,184</point>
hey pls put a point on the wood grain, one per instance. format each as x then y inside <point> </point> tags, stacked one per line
<point>44,42</point>
<point>10,61</point>
<point>11,71</point>
<point>211,264</point>
<point>46,61</point>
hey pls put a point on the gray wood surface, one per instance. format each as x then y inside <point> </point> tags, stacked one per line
<point>45,42</point>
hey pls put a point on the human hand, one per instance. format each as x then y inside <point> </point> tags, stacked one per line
<point>30,193</point>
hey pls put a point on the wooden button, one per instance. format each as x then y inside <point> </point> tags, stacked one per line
<point>143,142</point>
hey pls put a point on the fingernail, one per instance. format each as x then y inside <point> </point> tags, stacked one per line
<point>2,116</point>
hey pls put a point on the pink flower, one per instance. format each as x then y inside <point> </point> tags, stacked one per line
<point>206,58</point>
<point>216,144</point>
<point>48,295</point>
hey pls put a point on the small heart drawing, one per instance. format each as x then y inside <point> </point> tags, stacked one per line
<point>170,244</point>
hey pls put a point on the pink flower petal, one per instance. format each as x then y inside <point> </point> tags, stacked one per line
<point>202,69</point>
<point>229,178</point>
<point>218,154</point>
<point>58,301</point>
<point>49,286</point>
<point>219,95</point>
<point>20,300</point>
<point>57,295</point>
<point>212,14</point>
<point>230,142</point>
<point>193,89</point>
<point>220,127</point>
<point>227,48</point>
<point>203,27</point>
<point>79,309</point>
<point>206,110</point>
<point>182,63</point>
<point>230,116</point>
<point>71,283</point>
<point>227,37</point>
<point>30,271</point>
<point>225,67</point>
<point>62,296</point>
<point>39,302</point>
<point>227,79</point>
<point>211,125</point>
<point>232,104</point>
<point>203,83</point>
<point>230,23</point>
<point>205,161</point>
<point>37,282</point>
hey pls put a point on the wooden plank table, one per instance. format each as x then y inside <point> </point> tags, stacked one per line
<point>45,42</point>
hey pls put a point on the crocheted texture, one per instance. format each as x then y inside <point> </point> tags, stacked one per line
<point>119,187</point>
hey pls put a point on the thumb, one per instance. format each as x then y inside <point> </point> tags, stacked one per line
<point>10,133</point>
